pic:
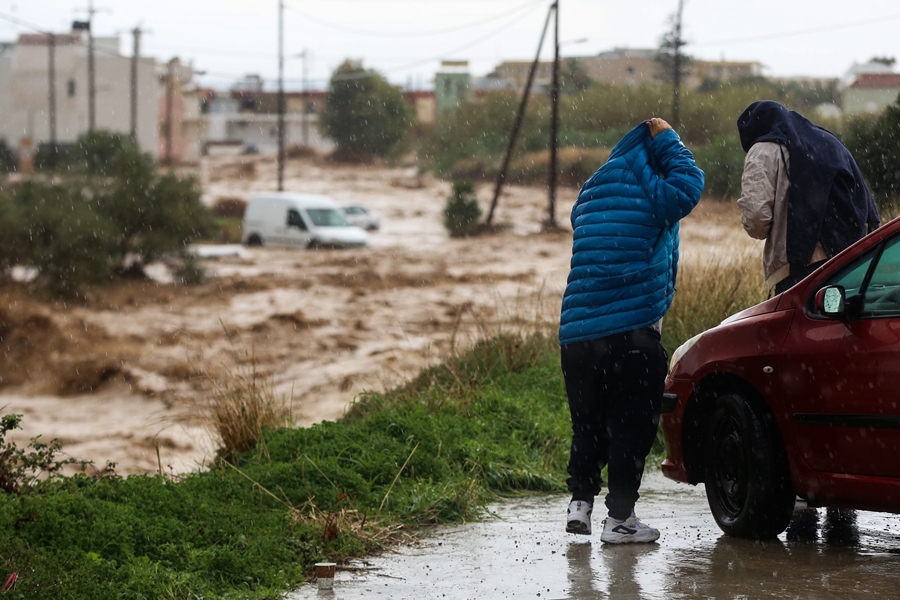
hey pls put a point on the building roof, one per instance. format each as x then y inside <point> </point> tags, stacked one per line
<point>877,80</point>
<point>43,39</point>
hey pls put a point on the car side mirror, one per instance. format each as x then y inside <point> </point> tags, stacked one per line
<point>831,301</point>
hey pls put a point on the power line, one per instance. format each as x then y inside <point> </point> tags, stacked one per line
<point>21,23</point>
<point>418,34</point>
<point>443,55</point>
<point>787,34</point>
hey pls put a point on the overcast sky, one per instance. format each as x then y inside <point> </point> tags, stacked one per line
<point>406,39</point>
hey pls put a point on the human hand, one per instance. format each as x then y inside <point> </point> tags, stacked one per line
<point>657,126</point>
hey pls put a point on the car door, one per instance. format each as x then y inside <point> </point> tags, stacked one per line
<point>841,378</point>
<point>297,232</point>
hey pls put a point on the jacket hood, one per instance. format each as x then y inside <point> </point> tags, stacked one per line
<point>640,135</point>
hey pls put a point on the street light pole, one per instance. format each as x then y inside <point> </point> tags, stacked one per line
<point>554,127</point>
<point>305,112</point>
<point>135,57</point>
<point>281,107</point>
<point>92,72</point>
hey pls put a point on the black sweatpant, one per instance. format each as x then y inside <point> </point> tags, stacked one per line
<point>615,386</point>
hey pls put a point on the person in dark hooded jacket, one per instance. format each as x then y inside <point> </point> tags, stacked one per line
<point>621,284</point>
<point>801,191</point>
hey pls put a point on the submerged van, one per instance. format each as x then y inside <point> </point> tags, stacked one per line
<point>305,220</point>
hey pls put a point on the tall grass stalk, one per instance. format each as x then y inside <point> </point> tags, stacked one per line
<point>242,404</point>
<point>709,292</point>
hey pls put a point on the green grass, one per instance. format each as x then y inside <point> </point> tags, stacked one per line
<point>492,421</point>
<point>487,423</point>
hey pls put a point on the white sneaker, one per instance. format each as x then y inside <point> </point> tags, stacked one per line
<point>629,531</point>
<point>578,517</point>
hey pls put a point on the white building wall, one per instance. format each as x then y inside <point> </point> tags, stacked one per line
<point>24,93</point>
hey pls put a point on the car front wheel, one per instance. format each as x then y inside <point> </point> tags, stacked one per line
<point>748,482</point>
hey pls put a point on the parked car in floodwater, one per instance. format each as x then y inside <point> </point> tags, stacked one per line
<point>796,396</point>
<point>306,220</point>
<point>361,217</point>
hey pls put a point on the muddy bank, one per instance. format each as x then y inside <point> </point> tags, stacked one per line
<point>119,375</point>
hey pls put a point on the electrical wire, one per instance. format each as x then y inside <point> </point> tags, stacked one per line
<point>22,23</point>
<point>418,34</point>
<point>787,34</point>
<point>444,55</point>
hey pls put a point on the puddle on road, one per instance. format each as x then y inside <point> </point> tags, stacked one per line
<point>524,553</point>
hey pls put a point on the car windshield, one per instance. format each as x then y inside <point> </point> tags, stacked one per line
<point>326,217</point>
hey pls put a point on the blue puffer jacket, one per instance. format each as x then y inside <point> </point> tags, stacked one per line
<point>625,248</point>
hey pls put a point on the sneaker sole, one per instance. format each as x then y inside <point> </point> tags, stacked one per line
<point>578,527</point>
<point>629,539</point>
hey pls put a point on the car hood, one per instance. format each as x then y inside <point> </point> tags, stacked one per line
<point>760,309</point>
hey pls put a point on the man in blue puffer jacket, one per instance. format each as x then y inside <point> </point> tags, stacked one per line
<point>621,283</point>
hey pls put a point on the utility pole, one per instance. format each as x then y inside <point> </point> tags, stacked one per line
<point>281,106</point>
<point>677,43</point>
<point>303,96</point>
<point>170,99</point>
<point>135,57</point>
<point>51,100</point>
<point>554,126</point>
<point>92,74</point>
<point>514,134</point>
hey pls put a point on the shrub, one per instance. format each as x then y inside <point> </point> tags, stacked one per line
<point>574,167</point>
<point>7,157</point>
<point>229,208</point>
<point>722,160</point>
<point>63,235</point>
<point>461,213</point>
<point>110,207</point>
<point>876,147</point>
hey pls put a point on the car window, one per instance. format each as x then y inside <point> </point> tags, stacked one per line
<point>851,277</point>
<point>326,217</point>
<point>295,220</point>
<point>882,296</point>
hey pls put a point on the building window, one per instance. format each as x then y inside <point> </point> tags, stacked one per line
<point>71,88</point>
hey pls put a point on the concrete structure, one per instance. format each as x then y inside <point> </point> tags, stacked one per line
<point>182,128</point>
<point>452,86</point>
<point>259,131</point>
<point>515,73</point>
<point>724,70</point>
<point>622,66</point>
<point>25,87</point>
<point>871,93</point>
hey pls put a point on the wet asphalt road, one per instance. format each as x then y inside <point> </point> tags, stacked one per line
<point>524,552</point>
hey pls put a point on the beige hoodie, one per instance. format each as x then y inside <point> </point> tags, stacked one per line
<point>764,203</point>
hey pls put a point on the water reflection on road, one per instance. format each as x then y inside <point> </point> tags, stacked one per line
<point>524,553</point>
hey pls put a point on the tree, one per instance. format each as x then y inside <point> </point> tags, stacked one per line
<point>364,114</point>
<point>674,65</point>
<point>888,61</point>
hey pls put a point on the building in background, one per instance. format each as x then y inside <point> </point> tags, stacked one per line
<point>871,93</point>
<point>182,127</point>
<point>25,90</point>
<point>452,86</point>
<point>622,66</point>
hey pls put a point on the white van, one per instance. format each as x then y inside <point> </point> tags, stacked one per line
<point>287,219</point>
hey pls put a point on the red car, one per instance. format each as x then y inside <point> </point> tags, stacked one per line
<point>796,396</point>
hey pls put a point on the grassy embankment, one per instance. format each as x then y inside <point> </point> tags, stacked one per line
<point>488,422</point>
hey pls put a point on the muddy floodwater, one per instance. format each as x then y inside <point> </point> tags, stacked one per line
<point>523,552</point>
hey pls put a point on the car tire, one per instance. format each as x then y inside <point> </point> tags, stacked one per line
<point>748,483</point>
<point>254,240</point>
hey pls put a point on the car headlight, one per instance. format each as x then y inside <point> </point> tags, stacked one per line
<point>682,350</point>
